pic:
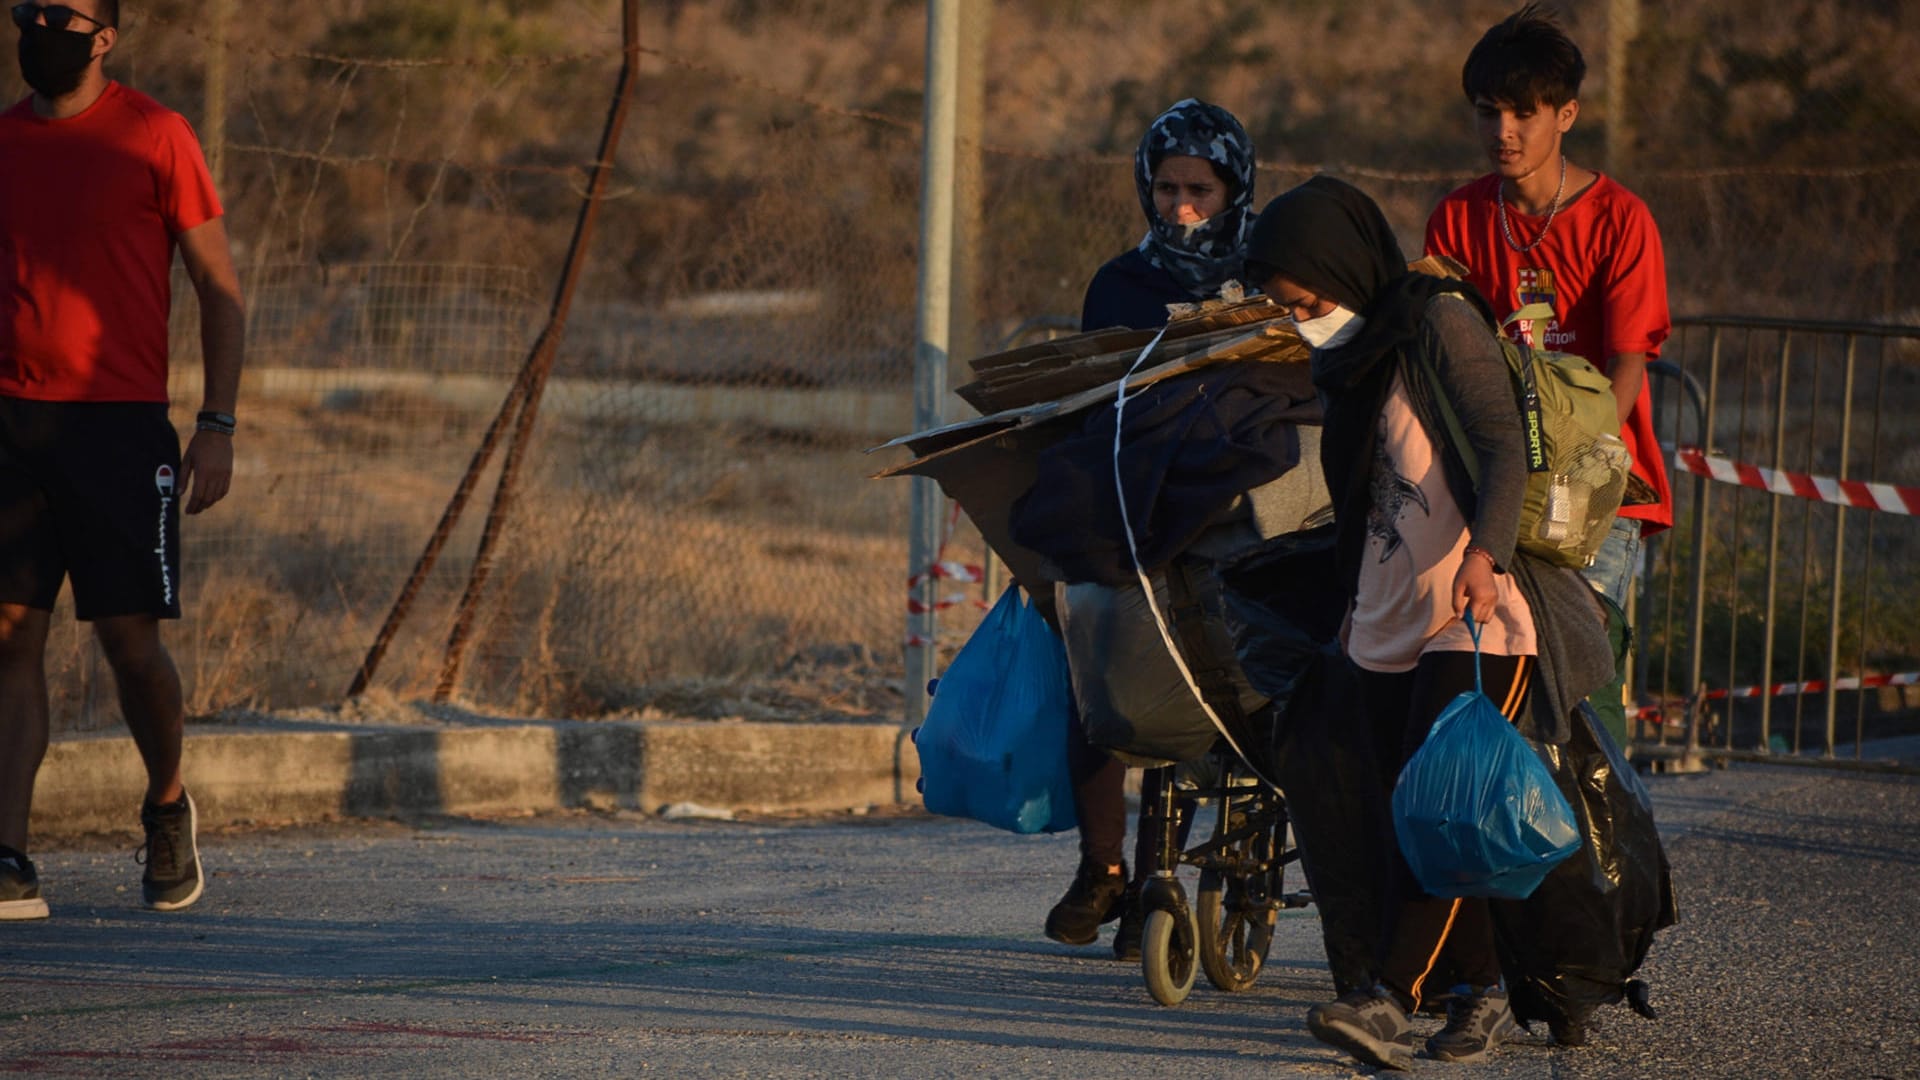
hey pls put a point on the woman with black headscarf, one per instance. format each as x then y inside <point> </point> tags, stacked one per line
<point>1194,173</point>
<point>1417,546</point>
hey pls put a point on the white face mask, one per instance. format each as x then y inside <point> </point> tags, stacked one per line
<point>1336,327</point>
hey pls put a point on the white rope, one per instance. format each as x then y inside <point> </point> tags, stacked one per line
<point>1146,583</point>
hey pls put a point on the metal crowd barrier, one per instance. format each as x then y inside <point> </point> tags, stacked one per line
<point>1778,589</point>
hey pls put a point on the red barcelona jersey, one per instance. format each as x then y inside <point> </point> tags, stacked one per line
<point>1599,266</point>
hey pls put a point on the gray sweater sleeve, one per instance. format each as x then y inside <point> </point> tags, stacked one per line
<point>1575,658</point>
<point>1473,375</point>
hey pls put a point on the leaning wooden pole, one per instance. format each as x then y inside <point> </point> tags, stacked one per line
<point>521,404</point>
<point>542,364</point>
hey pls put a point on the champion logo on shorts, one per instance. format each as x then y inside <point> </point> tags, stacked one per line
<point>163,483</point>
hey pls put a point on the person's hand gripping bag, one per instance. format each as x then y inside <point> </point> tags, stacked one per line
<point>994,744</point>
<point>1475,810</point>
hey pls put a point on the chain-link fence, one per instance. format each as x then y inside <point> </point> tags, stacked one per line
<point>694,529</point>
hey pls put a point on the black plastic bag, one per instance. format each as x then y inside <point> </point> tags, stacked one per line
<point>1575,944</point>
<point>1283,602</point>
<point>1131,696</point>
<point>1284,608</point>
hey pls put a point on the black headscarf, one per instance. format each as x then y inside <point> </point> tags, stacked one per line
<point>1328,235</point>
<point>1332,238</point>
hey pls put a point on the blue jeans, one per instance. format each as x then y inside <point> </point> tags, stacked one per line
<point>1617,563</point>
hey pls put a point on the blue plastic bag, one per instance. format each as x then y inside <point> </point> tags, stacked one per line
<point>1476,811</point>
<point>994,744</point>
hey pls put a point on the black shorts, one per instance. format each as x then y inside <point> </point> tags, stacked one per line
<point>90,490</point>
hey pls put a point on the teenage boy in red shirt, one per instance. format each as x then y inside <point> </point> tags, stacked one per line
<point>1540,229</point>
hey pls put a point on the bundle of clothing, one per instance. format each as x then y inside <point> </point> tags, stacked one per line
<point>1209,465</point>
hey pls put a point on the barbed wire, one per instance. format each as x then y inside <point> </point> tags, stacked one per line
<point>1803,172</point>
<point>684,63</point>
<point>192,30</point>
<point>1411,176</point>
<point>903,125</point>
<point>347,160</point>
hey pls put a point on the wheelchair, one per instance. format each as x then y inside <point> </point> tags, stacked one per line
<point>1228,928</point>
<point>1194,758</point>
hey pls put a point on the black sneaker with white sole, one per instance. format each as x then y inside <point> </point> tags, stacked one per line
<point>173,880</point>
<point>19,888</point>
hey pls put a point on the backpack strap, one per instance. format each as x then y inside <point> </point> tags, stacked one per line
<point>1520,363</point>
<point>1456,432</point>
<point>1529,313</point>
<point>1520,359</point>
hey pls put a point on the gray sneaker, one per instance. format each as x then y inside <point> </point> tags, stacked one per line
<point>173,880</point>
<point>19,888</point>
<point>1477,1021</point>
<point>1368,1024</point>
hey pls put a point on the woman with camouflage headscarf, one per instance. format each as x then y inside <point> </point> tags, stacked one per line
<point>1194,173</point>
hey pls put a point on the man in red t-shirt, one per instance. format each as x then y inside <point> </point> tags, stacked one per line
<point>1540,229</point>
<point>98,186</point>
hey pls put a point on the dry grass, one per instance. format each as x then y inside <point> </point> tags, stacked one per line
<point>694,571</point>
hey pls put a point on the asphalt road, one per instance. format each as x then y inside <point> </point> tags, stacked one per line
<point>892,945</point>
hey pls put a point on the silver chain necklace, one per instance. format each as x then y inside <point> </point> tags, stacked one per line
<point>1552,209</point>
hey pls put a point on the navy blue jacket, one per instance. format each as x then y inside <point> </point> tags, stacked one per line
<point>1131,292</point>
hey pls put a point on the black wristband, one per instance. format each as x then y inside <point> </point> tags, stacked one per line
<point>217,422</point>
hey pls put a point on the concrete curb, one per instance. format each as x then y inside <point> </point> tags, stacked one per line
<point>266,776</point>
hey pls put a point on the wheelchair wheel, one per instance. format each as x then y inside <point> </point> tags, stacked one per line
<point>1235,935</point>
<point>1167,954</point>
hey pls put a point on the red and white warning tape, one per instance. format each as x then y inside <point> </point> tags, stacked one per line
<point>1815,686</point>
<point>943,569</point>
<point>1811,686</point>
<point>1890,498</point>
<point>951,600</point>
<point>966,573</point>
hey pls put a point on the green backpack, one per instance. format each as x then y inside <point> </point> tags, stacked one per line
<point>1577,465</point>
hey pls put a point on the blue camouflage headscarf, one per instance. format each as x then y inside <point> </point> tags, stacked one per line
<point>1205,255</point>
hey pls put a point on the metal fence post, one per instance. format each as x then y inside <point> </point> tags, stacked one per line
<point>935,330</point>
<point>1660,550</point>
<point>1773,549</point>
<point>1866,568</point>
<point>1702,501</point>
<point>1839,555</point>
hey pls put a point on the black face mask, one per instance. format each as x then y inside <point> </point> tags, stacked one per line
<point>52,61</point>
